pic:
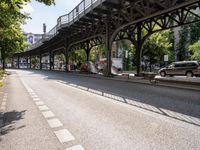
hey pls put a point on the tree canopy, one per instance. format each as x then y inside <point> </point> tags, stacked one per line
<point>11,18</point>
<point>195,50</point>
<point>158,45</point>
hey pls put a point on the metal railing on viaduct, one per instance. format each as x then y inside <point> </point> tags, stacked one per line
<point>95,22</point>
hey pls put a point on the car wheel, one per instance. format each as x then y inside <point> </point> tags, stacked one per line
<point>189,74</point>
<point>162,73</point>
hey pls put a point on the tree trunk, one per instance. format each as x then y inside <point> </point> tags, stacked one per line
<point>150,63</point>
<point>3,59</point>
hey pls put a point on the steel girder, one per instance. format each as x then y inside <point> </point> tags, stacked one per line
<point>179,17</point>
<point>125,19</point>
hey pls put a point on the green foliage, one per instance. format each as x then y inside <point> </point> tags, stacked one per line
<point>47,2</point>
<point>35,61</point>
<point>195,51</point>
<point>194,30</point>
<point>11,18</point>
<point>79,55</point>
<point>158,45</point>
<point>2,72</point>
<point>189,34</point>
<point>60,57</point>
<point>183,43</point>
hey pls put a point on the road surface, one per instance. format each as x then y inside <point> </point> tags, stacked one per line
<point>42,110</point>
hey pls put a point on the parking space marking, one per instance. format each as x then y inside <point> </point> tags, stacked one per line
<point>48,114</point>
<point>64,135</point>
<point>39,103</point>
<point>54,123</point>
<point>43,108</point>
<point>77,147</point>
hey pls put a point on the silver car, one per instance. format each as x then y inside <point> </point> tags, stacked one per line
<point>186,68</point>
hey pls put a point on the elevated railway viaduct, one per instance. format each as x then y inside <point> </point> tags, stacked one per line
<point>95,22</point>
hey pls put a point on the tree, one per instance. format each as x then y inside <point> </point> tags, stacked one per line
<point>35,62</point>
<point>183,43</point>
<point>11,41</point>
<point>11,17</point>
<point>78,55</point>
<point>60,57</point>
<point>189,34</point>
<point>158,45</point>
<point>195,50</point>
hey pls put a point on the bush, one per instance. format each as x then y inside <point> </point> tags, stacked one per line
<point>1,74</point>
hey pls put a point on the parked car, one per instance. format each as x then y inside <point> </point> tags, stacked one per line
<point>185,68</point>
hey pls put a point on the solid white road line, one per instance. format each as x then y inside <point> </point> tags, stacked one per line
<point>54,123</point>
<point>77,147</point>
<point>64,135</point>
<point>48,114</point>
<point>42,108</point>
<point>39,103</point>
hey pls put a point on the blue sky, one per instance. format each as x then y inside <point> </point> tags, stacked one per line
<point>41,13</point>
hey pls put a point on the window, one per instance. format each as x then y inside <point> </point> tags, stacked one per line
<point>191,64</point>
<point>177,65</point>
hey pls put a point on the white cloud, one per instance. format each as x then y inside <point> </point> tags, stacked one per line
<point>27,8</point>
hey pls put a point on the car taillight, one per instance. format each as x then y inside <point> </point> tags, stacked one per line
<point>198,67</point>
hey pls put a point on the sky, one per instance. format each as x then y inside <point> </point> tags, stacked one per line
<point>41,13</point>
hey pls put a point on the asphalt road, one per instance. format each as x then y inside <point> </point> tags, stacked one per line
<point>45,110</point>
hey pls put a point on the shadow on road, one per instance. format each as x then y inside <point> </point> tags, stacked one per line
<point>9,120</point>
<point>180,104</point>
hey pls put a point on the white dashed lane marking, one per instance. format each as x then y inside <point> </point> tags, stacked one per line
<point>48,114</point>
<point>34,96</point>
<point>39,103</point>
<point>32,93</point>
<point>36,99</point>
<point>54,123</point>
<point>3,108</point>
<point>77,147</point>
<point>42,108</point>
<point>5,97</point>
<point>3,104</point>
<point>64,136</point>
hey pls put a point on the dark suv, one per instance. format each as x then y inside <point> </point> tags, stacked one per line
<point>187,68</point>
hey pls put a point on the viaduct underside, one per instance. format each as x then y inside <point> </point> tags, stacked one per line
<point>96,22</point>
